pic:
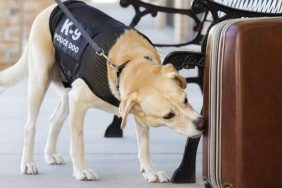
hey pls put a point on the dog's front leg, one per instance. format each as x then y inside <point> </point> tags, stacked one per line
<point>78,108</point>
<point>146,166</point>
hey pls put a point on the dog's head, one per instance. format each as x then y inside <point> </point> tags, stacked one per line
<point>161,100</point>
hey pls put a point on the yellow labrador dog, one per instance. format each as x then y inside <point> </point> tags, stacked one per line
<point>153,93</point>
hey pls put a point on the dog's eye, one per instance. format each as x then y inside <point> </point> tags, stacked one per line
<point>170,115</point>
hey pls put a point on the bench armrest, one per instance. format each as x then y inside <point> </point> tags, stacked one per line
<point>185,59</point>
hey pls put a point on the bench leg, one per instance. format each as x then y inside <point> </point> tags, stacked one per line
<point>186,172</point>
<point>114,130</point>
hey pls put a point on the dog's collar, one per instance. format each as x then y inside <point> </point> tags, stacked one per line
<point>118,72</point>
<point>122,66</point>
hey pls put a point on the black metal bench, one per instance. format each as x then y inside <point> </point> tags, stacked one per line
<point>205,14</point>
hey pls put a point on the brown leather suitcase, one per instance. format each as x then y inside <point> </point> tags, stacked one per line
<point>243,104</point>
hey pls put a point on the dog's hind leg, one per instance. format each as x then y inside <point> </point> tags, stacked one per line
<point>146,166</point>
<point>41,61</point>
<point>55,125</point>
<point>37,86</point>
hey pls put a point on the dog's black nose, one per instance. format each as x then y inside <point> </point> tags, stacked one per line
<point>200,124</point>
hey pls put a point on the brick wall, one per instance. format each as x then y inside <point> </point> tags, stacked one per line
<point>10,30</point>
<point>16,17</point>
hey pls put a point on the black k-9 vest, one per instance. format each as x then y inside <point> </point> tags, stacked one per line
<point>75,57</point>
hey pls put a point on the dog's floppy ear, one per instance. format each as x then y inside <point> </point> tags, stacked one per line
<point>126,106</point>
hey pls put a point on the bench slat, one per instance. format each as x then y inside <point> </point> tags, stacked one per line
<point>265,6</point>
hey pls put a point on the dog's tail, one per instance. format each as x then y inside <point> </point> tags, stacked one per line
<point>17,72</point>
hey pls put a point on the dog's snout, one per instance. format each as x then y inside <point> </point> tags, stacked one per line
<point>199,123</point>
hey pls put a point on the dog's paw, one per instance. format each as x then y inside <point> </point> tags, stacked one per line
<point>54,159</point>
<point>155,177</point>
<point>86,175</point>
<point>29,168</point>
